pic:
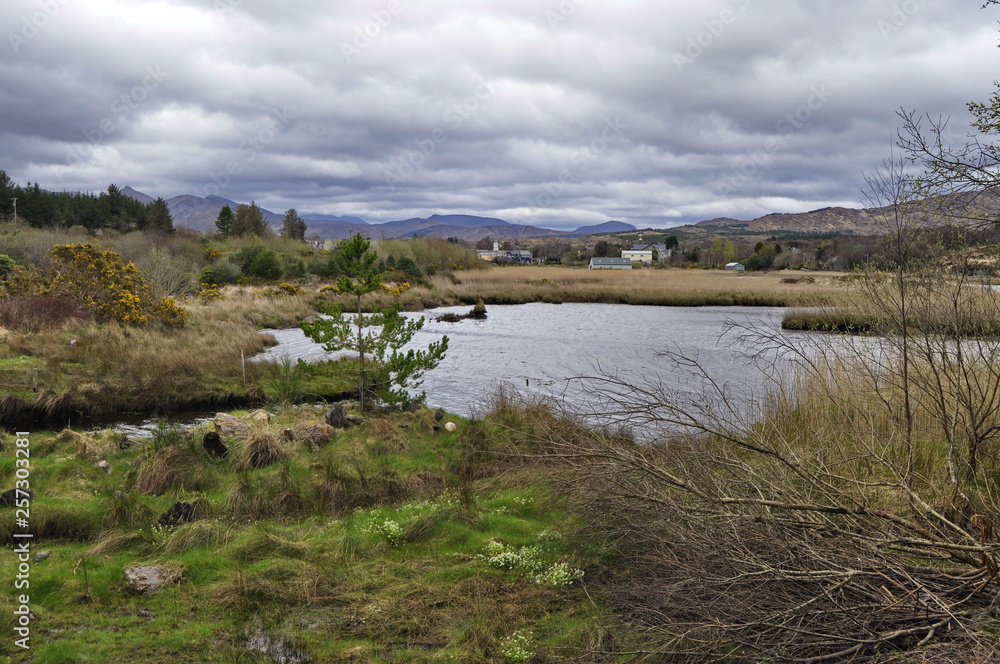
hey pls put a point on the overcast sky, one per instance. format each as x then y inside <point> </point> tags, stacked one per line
<point>557,114</point>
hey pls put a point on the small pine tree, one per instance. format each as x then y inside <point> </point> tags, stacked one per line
<point>386,373</point>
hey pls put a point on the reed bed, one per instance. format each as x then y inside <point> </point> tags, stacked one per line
<point>672,287</point>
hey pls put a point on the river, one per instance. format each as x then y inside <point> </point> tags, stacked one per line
<point>540,348</point>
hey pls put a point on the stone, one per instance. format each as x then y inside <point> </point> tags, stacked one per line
<point>478,312</point>
<point>40,556</point>
<point>438,415</point>
<point>104,465</point>
<point>212,442</point>
<point>150,578</point>
<point>338,418</point>
<point>10,497</point>
<point>313,435</point>
<point>450,427</point>
<point>258,415</point>
<point>449,318</point>
<point>179,512</point>
<point>229,425</point>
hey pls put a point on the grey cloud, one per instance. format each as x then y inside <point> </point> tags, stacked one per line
<point>387,116</point>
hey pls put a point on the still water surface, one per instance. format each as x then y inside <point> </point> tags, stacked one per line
<point>539,348</point>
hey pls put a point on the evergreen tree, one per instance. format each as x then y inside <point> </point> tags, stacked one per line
<point>159,216</point>
<point>293,227</point>
<point>249,220</point>
<point>386,373</point>
<point>224,222</point>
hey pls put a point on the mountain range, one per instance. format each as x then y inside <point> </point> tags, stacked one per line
<point>200,214</point>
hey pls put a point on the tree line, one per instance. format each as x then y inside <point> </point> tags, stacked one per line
<point>111,209</point>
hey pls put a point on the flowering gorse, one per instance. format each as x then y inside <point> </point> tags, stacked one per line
<point>99,281</point>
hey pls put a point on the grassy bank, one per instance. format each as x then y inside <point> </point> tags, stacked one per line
<point>392,542</point>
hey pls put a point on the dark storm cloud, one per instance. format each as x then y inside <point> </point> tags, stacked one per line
<point>558,113</point>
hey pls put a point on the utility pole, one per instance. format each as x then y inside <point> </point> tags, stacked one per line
<point>15,210</point>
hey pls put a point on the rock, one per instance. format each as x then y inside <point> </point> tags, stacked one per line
<point>478,312</point>
<point>259,415</point>
<point>338,418</point>
<point>438,415</point>
<point>449,318</point>
<point>72,342</point>
<point>229,425</point>
<point>313,435</point>
<point>411,407</point>
<point>212,442</point>
<point>10,497</point>
<point>310,319</point>
<point>150,578</point>
<point>104,465</point>
<point>179,512</point>
<point>450,427</point>
<point>40,556</point>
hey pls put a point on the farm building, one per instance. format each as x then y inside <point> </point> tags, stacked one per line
<point>738,267</point>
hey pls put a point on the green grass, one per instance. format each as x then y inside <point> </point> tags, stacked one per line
<point>386,570</point>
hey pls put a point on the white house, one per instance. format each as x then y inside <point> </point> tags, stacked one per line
<point>641,255</point>
<point>738,267</point>
<point>610,264</point>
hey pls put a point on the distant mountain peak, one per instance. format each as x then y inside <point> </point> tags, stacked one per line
<point>137,195</point>
<point>606,227</point>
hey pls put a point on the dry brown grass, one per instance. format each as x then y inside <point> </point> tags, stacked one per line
<point>646,286</point>
<point>103,369</point>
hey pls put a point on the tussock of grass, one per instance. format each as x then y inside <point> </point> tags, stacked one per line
<point>173,467</point>
<point>260,450</point>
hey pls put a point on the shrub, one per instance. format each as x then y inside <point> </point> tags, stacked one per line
<point>265,266</point>
<point>98,281</point>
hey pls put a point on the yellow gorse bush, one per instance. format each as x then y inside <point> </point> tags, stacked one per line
<point>100,281</point>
